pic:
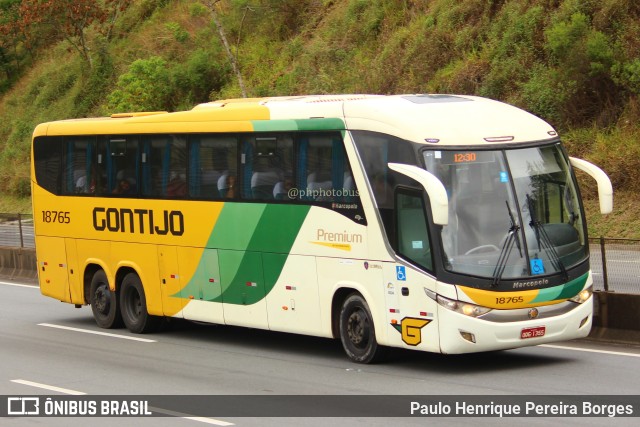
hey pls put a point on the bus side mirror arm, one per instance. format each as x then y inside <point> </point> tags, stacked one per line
<point>605,190</point>
<point>434,188</point>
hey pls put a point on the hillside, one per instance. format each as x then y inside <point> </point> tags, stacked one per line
<point>575,63</point>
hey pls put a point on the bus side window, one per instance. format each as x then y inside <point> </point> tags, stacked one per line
<point>323,168</point>
<point>164,166</point>
<point>411,229</point>
<point>267,167</point>
<point>266,174</point>
<point>213,166</point>
<point>117,168</point>
<point>176,164</point>
<point>47,159</point>
<point>79,170</point>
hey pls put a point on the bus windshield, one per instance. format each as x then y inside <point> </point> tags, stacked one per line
<point>512,213</point>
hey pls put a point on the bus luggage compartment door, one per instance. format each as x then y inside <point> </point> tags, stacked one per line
<point>52,267</point>
<point>203,291</point>
<point>170,280</point>
<point>243,295</point>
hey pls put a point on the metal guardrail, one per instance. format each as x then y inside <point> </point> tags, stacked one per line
<point>16,230</point>
<point>615,263</point>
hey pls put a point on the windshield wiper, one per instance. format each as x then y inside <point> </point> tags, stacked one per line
<point>568,201</point>
<point>507,246</point>
<point>544,242</point>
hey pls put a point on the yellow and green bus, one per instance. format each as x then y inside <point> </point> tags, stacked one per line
<point>439,223</point>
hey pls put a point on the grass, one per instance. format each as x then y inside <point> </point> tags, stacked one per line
<point>623,222</point>
<point>10,204</point>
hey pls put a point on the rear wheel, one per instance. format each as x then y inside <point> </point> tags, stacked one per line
<point>104,302</point>
<point>357,332</point>
<point>134,306</point>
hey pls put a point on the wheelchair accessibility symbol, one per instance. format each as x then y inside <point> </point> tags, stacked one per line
<point>401,273</point>
<point>537,267</point>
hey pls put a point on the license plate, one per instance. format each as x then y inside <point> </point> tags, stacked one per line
<point>533,332</point>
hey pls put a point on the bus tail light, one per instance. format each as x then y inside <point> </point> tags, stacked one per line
<point>465,308</point>
<point>583,296</point>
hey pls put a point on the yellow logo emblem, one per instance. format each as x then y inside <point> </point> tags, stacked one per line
<point>411,329</point>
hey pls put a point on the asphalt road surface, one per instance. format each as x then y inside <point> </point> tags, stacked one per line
<point>50,348</point>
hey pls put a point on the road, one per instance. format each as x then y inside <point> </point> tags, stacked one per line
<point>623,267</point>
<point>10,233</point>
<point>51,348</point>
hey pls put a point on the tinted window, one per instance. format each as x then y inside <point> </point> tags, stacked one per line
<point>413,235</point>
<point>267,166</point>
<point>47,159</point>
<point>164,166</point>
<point>323,171</point>
<point>298,167</point>
<point>79,174</point>
<point>213,166</point>
<point>376,151</point>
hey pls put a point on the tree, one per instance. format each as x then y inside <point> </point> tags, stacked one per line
<point>10,37</point>
<point>69,20</point>
<point>211,4</point>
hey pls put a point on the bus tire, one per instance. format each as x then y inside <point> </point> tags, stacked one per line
<point>133,305</point>
<point>104,302</point>
<point>357,332</point>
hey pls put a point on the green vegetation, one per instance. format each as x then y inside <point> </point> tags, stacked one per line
<point>572,62</point>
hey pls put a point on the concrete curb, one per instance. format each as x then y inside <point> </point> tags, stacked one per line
<point>18,263</point>
<point>616,318</point>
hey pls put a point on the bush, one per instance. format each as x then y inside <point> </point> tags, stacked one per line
<point>180,34</point>
<point>145,87</point>
<point>546,93</point>
<point>197,78</point>
<point>627,75</point>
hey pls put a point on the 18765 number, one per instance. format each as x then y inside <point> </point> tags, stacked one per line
<point>56,216</point>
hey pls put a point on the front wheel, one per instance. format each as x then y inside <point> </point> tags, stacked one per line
<point>357,333</point>
<point>133,305</point>
<point>104,302</point>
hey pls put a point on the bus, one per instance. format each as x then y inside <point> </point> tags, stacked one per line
<point>441,223</point>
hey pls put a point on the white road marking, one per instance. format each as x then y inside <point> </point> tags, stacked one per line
<point>88,331</point>
<point>49,387</point>
<point>590,350</point>
<point>209,421</point>
<point>205,420</point>
<point>19,285</point>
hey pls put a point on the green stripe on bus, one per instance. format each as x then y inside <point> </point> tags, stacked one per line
<point>301,124</point>
<point>236,226</point>
<point>574,287</point>
<point>249,238</point>
<point>566,291</point>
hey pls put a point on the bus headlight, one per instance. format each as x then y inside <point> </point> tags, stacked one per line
<point>465,308</point>
<point>583,296</point>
